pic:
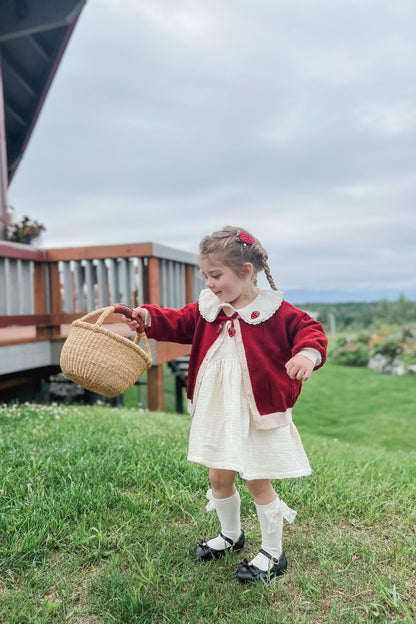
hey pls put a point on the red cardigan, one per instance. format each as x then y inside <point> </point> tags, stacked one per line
<point>264,349</point>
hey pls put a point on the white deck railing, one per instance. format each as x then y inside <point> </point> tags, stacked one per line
<point>47,289</point>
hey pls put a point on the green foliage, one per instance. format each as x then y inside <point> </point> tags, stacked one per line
<point>391,342</point>
<point>395,342</point>
<point>355,316</point>
<point>391,347</point>
<point>100,511</point>
<point>349,352</point>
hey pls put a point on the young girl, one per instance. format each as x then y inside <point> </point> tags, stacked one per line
<point>251,351</point>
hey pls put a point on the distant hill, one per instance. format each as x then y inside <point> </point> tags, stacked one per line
<point>357,311</point>
<point>302,296</point>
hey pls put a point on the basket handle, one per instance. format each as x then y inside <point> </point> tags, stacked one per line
<point>119,308</point>
<point>122,308</point>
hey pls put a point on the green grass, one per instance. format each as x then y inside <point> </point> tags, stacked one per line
<point>100,511</point>
<point>359,406</point>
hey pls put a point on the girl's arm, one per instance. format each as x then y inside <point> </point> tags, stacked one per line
<point>166,324</point>
<point>309,344</point>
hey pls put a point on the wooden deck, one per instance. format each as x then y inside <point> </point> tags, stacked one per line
<point>43,291</point>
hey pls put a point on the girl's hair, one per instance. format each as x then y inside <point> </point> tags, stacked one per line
<point>235,253</point>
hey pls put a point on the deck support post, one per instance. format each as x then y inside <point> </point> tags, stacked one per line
<point>155,388</point>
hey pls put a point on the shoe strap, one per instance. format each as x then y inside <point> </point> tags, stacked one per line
<point>263,552</point>
<point>227,539</point>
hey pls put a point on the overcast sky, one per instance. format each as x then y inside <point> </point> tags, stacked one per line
<point>295,119</point>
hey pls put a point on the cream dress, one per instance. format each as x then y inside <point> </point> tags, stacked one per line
<point>223,433</point>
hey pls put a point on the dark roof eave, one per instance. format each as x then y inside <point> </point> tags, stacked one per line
<point>41,99</point>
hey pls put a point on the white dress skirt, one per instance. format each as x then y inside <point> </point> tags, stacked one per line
<point>223,434</point>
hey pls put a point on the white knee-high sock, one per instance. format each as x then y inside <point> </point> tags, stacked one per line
<point>271,526</point>
<point>228,512</point>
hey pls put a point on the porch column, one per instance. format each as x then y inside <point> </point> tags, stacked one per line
<point>3,162</point>
<point>155,373</point>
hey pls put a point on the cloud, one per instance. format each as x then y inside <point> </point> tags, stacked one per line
<point>396,119</point>
<point>295,119</point>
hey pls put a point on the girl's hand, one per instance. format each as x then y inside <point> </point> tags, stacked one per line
<point>137,313</point>
<point>299,367</point>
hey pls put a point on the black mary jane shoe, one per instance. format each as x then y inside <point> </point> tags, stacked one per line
<point>203,552</point>
<point>247,573</point>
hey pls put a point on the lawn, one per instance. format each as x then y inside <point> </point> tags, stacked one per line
<point>100,511</point>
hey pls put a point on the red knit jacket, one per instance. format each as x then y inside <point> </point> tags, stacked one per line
<point>264,349</point>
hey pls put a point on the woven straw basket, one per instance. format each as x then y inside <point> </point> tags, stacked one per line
<point>101,361</point>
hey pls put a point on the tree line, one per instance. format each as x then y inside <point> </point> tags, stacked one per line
<point>356,316</point>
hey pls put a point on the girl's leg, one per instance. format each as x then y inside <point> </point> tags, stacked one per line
<point>222,482</point>
<point>226,502</point>
<point>262,491</point>
<point>270,511</point>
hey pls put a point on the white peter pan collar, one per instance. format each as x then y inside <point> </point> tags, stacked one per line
<point>261,309</point>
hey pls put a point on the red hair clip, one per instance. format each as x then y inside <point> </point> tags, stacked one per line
<point>244,238</point>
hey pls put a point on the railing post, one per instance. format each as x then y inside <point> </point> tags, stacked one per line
<point>189,283</point>
<point>40,295</point>
<point>55,294</point>
<point>155,373</point>
<point>154,280</point>
<point>155,388</point>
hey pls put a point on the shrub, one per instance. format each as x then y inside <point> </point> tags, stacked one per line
<point>350,352</point>
<point>392,342</point>
<point>391,347</point>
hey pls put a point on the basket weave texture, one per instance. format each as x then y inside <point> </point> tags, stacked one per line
<point>99,360</point>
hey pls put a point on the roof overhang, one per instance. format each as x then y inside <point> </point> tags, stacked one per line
<point>33,38</point>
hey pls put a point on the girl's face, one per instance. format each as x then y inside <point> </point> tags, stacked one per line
<point>226,284</point>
